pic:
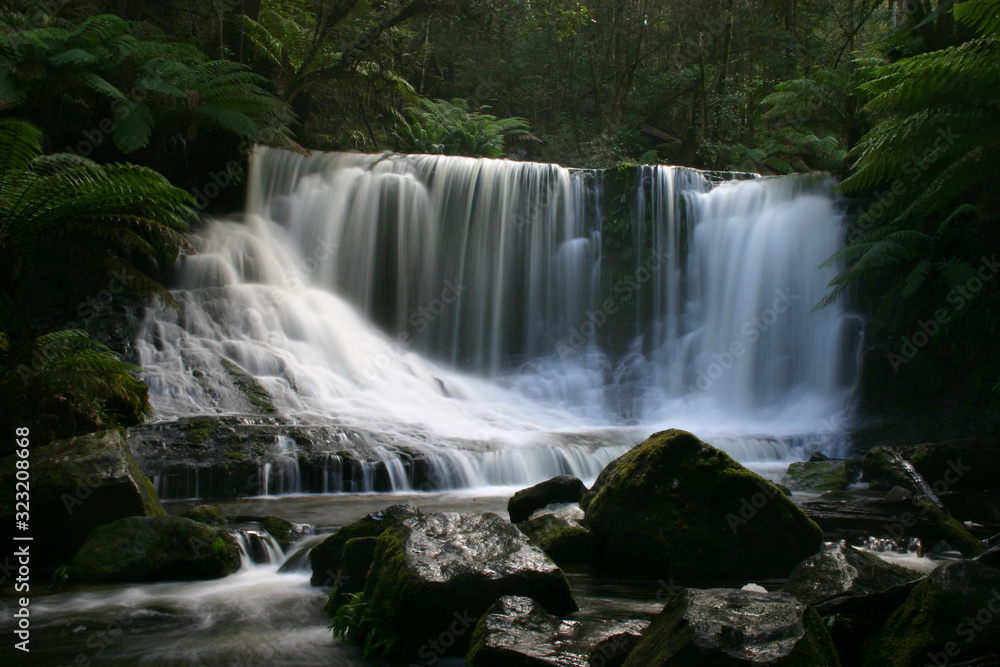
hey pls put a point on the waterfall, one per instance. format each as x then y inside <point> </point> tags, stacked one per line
<point>457,322</point>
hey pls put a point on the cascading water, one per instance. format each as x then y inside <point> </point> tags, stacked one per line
<point>443,316</point>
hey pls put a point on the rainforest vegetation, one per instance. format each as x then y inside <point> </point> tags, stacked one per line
<point>122,120</point>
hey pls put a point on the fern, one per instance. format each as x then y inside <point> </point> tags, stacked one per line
<point>354,621</point>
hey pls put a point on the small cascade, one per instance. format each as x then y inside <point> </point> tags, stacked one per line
<point>281,475</point>
<point>257,547</point>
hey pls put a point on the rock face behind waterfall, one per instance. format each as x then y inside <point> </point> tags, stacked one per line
<point>676,506</point>
<point>435,575</point>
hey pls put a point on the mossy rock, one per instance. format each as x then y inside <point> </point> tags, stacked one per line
<point>352,574</point>
<point>951,531</point>
<point>831,475</point>
<point>677,507</point>
<point>562,538</point>
<point>432,571</point>
<point>281,530</point>
<point>325,558</point>
<point>722,627</point>
<point>77,484</point>
<point>943,621</point>
<point>210,515</point>
<point>140,549</point>
<point>969,464</point>
<point>881,472</point>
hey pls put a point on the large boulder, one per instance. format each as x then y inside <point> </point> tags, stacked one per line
<point>139,549</point>
<point>676,506</point>
<point>561,489</point>
<point>829,475</point>
<point>433,573</point>
<point>561,535</point>
<point>326,557</point>
<point>950,617</point>
<point>841,570</point>
<point>726,627</point>
<point>77,484</point>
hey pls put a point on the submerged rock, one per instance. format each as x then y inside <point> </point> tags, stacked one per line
<point>432,574</point>
<point>841,570</point>
<point>951,616</point>
<point>676,506</point>
<point>327,556</point>
<point>139,549</point>
<point>210,515</point>
<point>721,626</point>
<point>77,484</point>
<point>828,475</point>
<point>561,535</point>
<point>561,489</point>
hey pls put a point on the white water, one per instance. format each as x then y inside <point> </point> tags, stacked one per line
<point>453,306</point>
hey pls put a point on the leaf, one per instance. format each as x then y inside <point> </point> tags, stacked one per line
<point>133,130</point>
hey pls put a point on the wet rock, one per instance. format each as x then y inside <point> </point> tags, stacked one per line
<point>517,631</point>
<point>355,562</point>
<point>829,475</point>
<point>433,573</point>
<point>285,533</point>
<point>841,570</point>
<point>561,535</point>
<point>721,626</point>
<point>951,616</point>
<point>898,494</point>
<point>77,484</point>
<point>561,489</point>
<point>326,557</point>
<point>676,506</point>
<point>139,549</point>
<point>210,515</point>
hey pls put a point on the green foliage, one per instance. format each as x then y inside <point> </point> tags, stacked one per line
<point>63,210</point>
<point>440,127</point>
<point>354,621</point>
<point>66,383</point>
<point>107,72</point>
<point>931,162</point>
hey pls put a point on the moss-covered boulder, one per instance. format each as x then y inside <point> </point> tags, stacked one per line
<point>841,570</point>
<point>561,535</point>
<point>952,616</point>
<point>880,470</point>
<point>356,559</point>
<point>139,549</point>
<point>325,558</point>
<point>676,506</point>
<point>210,515</point>
<point>561,489</point>
<point>77,484</point>
<point>722,627</point>
<point>829,475</point>
<point>431,572</point>
<point>958,465</point>
<point>284,532</point>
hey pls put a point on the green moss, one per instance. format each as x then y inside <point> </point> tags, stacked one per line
<point>281,530</point>
<point>200,430</point>
<point>837,495</point>
<point>677,506</point>
<point>206,514</point>
<point>249,387</point>
<point>235,456</point>
<point>817,476</point>
<point>880,472</point>
<point>950,530</point>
